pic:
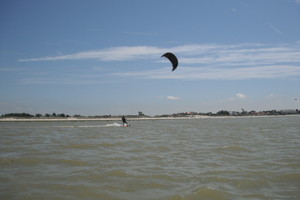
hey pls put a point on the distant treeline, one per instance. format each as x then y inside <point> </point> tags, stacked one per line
<point>234,113</point>
<point>140,114</point>
<point>27,115</point>
<point>62,115</point>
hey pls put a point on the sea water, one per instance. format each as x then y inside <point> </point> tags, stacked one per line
<point>214,158</point>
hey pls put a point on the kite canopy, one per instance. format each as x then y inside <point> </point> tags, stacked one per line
<point>172,59</point>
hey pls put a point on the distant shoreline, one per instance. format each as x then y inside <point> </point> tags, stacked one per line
<point>133,118</point>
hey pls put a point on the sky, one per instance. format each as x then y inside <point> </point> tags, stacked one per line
<point>103,57</point>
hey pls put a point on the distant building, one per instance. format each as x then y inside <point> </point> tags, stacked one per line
<point>289,111</point>
<point>234,113</point>
<point>141,114</point>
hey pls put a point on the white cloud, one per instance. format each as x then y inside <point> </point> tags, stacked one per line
<point>242,54</point>
<point>173,98</point>
<point>274,28</point>
<point>271,95</point>
<point>202,61</point>
<point>297,1</point>
<point>128,53</point>
<point>109,54</point>
<point>235,98</point>
<point>217,73</point>
<point>247,55</point>
<point>240,96</point>
<point>169,97</point>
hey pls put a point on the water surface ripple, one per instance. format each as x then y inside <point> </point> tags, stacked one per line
<point>225,158</point>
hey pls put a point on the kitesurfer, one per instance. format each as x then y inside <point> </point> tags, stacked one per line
<point>124,121</point>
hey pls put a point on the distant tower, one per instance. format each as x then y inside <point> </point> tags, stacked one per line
<point>243,111</point>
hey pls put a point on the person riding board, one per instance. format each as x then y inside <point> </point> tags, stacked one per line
<point>125,123</point>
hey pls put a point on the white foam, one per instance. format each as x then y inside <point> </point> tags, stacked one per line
<point>114,124</point>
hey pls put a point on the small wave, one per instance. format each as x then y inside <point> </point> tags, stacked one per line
<point>217,172</point>
<point>22,161</point>
<point>155,185</point>
<point>114,124</point>
<point>255,196</point>
<point>105,144</point>
<point>61,127</point>
<point>251,184</point>
<point>72,162</point>
<point>79,146</point>
<point>206,193</point>
<point>92,126</point>
<point>86,126</point>
<point>290,177</point>
<point>101,126</point>
<point>118,173</point>
<point>235,148</point>
<point>6,161</point>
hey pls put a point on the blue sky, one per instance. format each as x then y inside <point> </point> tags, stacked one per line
<point>104,56</point>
